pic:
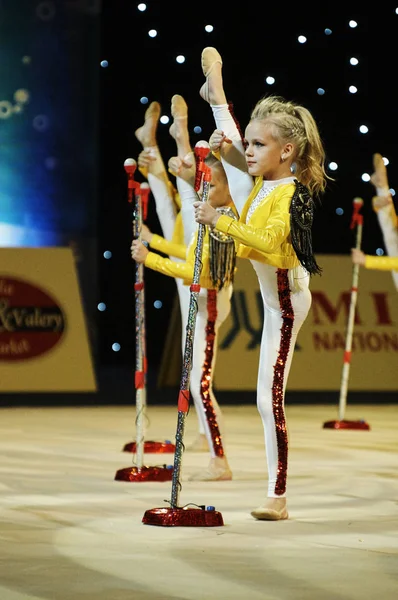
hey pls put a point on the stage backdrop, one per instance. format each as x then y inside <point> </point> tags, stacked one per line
<point>318,360</point>
<point>43,336</point>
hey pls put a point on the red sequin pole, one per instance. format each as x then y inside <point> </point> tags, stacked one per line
<point>279,378</point>
<point>342,423</point>
<point>135,196</point>
<point>139,215</point>
<point>207,372</point>
<point>175,515</point>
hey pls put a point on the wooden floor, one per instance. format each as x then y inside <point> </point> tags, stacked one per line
<point>68,530</point>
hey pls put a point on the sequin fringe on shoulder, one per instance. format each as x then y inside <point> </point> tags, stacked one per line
<point>301,218</point>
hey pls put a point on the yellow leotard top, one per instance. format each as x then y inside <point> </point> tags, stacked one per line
<point>266,237</point>
<point>383,263</point>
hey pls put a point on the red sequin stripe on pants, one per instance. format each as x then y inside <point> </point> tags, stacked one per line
<point>206,379</point>
<point>278,380</point>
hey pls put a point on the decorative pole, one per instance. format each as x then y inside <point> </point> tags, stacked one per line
<point>342,423</point>
<point>139,472</point>
<point>189,515</point>
<point>149,446</point>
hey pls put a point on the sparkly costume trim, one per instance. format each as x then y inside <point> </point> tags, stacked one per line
<point>278,381</point>
<point>263,193</point>
<point>207,373</point>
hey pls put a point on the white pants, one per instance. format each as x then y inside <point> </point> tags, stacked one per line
<point>284,314</point>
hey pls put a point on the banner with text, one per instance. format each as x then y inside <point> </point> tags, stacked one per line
<point>44,342</point>
<point>319,352</point>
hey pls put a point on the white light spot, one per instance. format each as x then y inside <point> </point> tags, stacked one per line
<point>302,39</point>
<point>101,306</point>
<point>270,80</point>
<point>116,347</point>
<point>21,96</point>
<point>209,28</point>
<point>141,7</point>
<point>364,129</point>
<point>152,33</point>
<point>144,100</point>
<point>352,89</point>
<point>6,109</point>
<point>107,254</point>
<point>379,251</point>
<point>320,91</point>
<point>328,31</point>
<point>197,129</point>
<point>365,177</point>
<point>354,61</point>
<point>180,59</point>
<point>164,119</point>
<point>104,64</point>
<point>352,24</point>
<point>339,211</point>
<point>158,304</point>
<point>333,166</point>
<point>386,161</point>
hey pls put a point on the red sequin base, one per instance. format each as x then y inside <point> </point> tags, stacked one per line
<point>183,517</point>
<point>138,474</point>
<point>346,425</point>
<point>151,447</point>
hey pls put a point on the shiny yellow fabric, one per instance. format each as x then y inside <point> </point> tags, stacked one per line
<point>184,270</point>
<point>382,263</point>
<point>266,238</point>
<point>171,248</point>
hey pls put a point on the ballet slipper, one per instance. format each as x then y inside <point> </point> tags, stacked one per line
<point>210,58</point>
<point>218,470</point>
<point>179,108</point>
<point>379,177</point>
<point>199,444</point>
<point>146,134</point>
<point>273,510</point>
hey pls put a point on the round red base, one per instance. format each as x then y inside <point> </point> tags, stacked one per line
<point>164,473</point>
<point>183,517</point>
<point>346,425</point>
<point>151,447</point>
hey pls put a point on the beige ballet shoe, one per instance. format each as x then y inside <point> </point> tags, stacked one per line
<point>379,177</point>
<point>273,510</point>
<point>146,134</point>
<point>210,58</point>
<point>179,108</point>
<point>199,444</point>
<point>218,470</point>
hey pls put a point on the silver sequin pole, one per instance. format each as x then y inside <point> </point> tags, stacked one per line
<point>134,199</point>
<point>203,176</point>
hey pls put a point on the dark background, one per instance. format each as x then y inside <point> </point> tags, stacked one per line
<point>255,39</point>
